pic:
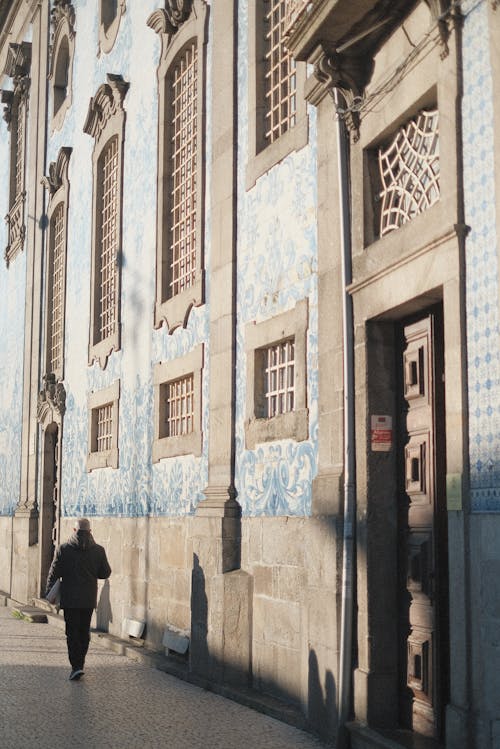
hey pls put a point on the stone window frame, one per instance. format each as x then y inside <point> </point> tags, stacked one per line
<point>164,372</point>
<point>105,121</point>
<point>61,60</point>
<point>177,30</point>
<point>109,31</point>
<point>262,156</point>
<point>258,336</point>
<point>95,400</point>
<point>17,67</point>
<point>57,185</point>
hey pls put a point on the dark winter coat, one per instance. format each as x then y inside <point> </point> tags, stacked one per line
<point>79,562</point>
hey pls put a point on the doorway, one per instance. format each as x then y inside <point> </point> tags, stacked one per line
<point>49,510</point>
<point>423,639</point>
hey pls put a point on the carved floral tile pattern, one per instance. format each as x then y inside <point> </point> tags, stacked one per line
<point>277,251</point>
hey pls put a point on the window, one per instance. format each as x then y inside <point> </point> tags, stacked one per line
<point>177,387</point>
<point>407,172</point>
<point>103,428</point>
<point>107,215</point>
<point>110,14</point>
<point>181,76</point>
<point>61,59</point>
<point>277,108</point>
<point>280,75</point>
<point>106,123</point>
<point>278,367</point>
<point>17,67</point>
<point>182,158</point>
<point>58,188</point>
<point>276,378</point>
<point>57,257</point>
<point>177,407</point>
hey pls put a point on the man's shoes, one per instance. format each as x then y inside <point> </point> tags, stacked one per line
<point>76,674</point>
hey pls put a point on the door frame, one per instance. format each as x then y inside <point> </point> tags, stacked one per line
<point>376,684</point>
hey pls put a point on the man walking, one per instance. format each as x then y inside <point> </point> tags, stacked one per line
<point>79,562</point>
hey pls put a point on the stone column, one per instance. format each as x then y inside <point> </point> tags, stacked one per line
<point>220,648</point>
<point>25,527</point>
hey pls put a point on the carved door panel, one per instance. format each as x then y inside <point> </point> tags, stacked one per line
<point>422,530</point>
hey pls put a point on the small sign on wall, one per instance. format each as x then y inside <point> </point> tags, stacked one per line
<point>381,433</point>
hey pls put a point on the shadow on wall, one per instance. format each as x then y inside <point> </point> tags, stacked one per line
<point>321,701</point>
<point>104,613</point>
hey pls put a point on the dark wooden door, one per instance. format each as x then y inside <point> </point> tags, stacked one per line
<point>423,609</point>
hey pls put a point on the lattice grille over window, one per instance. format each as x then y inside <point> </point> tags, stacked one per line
<point>409,172</point>
<point>179,406</point>
<point>104,427</point>
<point>183,160</point>
<point>108,239</point>
<point>280,377</point>
<point>56,314</point>
<point>280,76</point>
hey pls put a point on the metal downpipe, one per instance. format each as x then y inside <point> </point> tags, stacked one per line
<point>348,551</point>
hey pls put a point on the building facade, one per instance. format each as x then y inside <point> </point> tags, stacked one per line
<point>249,321</point>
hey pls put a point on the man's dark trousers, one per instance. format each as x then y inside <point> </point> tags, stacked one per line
<point>77,635</point>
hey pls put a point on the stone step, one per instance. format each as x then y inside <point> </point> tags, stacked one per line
<point>30,614</point>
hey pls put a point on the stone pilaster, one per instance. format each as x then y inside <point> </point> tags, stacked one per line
<point>220,642</point>
<point>25,528</point>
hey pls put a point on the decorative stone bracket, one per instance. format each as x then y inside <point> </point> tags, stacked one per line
<point>347,72</point>
<point>51,404</point>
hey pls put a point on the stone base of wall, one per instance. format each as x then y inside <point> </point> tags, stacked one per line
<point>270,625</point>
<point>5,553</point>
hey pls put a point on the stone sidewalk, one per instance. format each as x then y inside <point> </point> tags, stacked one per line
<point>118,704</point>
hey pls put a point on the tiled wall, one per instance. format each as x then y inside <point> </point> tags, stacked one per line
<point>483,339</point>
<point>277,266</point>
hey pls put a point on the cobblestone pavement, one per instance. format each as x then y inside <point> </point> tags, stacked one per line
<point>118,704</point>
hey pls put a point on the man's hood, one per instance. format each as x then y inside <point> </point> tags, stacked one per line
<point>81,540</point>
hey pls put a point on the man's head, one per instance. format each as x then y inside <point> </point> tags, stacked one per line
<point>82,524</point>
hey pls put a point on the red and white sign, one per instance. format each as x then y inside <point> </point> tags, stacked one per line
<point>381,433</point>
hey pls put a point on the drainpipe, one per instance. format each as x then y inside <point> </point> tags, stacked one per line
<point>346,625</point>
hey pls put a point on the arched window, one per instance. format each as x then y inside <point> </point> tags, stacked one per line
<point>110,14</point>
<point>181,77</point>
<point>57,185</point>
<point>106,123</point>
<point>61,60</point>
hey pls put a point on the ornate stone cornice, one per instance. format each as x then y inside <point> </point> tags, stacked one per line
<point>51,404</point>
<point>62,10</point>
<point>169,20</point>
<point>106,103</point>
<point>178,11</point>
<point>58,171</point>
<point>349,73</point>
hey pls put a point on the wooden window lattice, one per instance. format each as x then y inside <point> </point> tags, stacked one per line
<point>409,172</point>
<point>179,410</point>
<point>183,158</point>
<point>280,76</point>
<point>280,377</point>
<point>108,240</point>
<point>104,428</point>
<point>57,311</point>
